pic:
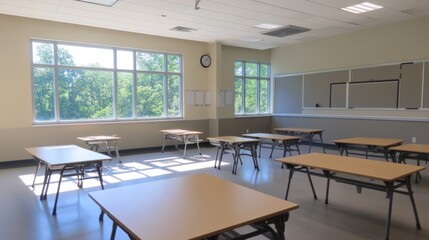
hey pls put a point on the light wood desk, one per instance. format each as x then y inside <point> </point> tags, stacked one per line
<point>418,152</point>
<point>63,158</point>
<point>101,142</point>
<point>235,144</point>
<point>309,133</point>
<point>378,175</point>
<point>197,206</point>
<point>374,145</point>
<point>273,140</point>
<point>185,136</point>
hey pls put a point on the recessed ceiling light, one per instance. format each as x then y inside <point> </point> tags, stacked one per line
<point>108,3</point>
<point>362,7</point>
<point>250,40</point>
<point>268,26</point>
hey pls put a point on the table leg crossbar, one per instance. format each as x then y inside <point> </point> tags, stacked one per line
<point>388,187</point>
<point>77,170</point>
<point>236,149</point>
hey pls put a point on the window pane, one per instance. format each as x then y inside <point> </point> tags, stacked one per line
<point>174,64</point>
<point>125,95</point>
<point>250,99</point>
<point>78,84</point>
<point>125,60</point>
<point>238,68</point>
<point>263,96</point>
<point>43,53</point>
<point>150,61</point>
<point>85,56</point>
<point>173,96</point>
<point>238,93</point>
<point>264,71</point>
<point>85,95</point>
<point>251,69</point>
<point>150,92</point>
<point>43,93</point>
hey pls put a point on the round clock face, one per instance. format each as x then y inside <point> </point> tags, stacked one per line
<point>205,61</point>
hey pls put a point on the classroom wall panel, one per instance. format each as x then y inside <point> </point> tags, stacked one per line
<point>410,94</point>
<point>385,86</point>
<point>287,94</point>
<point>317,85</point>
<point>426,86</point>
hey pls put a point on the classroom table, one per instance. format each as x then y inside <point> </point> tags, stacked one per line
<point>418,152</point>
<point>309,133</point>
<point>181,135</point>
<point>108,143</point>
<point>235,144</point>
<point>377,175</point>
<point>65,158</point>
<point>365,144</point>
<point>276,140</point>
<point>198,206</point>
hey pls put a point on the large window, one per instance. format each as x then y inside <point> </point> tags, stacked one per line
<point>252,88</point>
<point>74,82</point>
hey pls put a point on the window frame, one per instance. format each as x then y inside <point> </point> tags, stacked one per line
<point>56,67</point>
<point>244,78</point>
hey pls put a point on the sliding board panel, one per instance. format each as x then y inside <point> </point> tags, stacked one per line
<point>374,94</point>
<point>317,89</point>
<point>338,95</point>
<point>410,86</point>
<point>375,73</point>
<point>426,86</point>
<point>288,94</point>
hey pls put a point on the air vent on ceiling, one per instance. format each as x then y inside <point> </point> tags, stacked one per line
<point>183,29</point>
<point>287,31</point>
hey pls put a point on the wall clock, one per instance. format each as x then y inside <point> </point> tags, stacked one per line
<point>205,60</point>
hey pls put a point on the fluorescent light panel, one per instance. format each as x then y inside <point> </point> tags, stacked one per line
<point>268,26</point>
<point>362,7</point>
<point>108,3</point>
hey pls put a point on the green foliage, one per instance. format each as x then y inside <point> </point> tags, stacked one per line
<point>251,87</point>
<point>86,93</point>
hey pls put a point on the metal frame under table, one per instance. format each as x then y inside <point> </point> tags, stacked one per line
<point>109,143</point>
<point>68,160</point>
<point>199,206</point>
<point>345,170</point>
<point>308,132</point>
<point>285,142</point>
<point>365,144</point>
<point>235,145</point>
<point>413,151</point>
<point>185,136</point>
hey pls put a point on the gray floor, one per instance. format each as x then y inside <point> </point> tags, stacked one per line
<point>348,215</point>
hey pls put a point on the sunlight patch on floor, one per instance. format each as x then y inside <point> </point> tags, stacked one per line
<point>194,166</point>
<point>126,171</point>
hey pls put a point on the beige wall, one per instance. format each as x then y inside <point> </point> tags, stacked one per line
<point>392,43</point>
<point>16,129</point>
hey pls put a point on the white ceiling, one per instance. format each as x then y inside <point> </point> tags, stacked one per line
<point>224,21</point>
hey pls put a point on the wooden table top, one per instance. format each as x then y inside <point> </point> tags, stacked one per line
<point>66,154</point>
<point>180,132</point>
<point>379,142</point>
<point>98,138</point>
<point>233,139</point>
<point>190,207</point>
<point>380,170</point>
<point>271,136</point>
<point>301,130</point>
<point>412,148</point>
